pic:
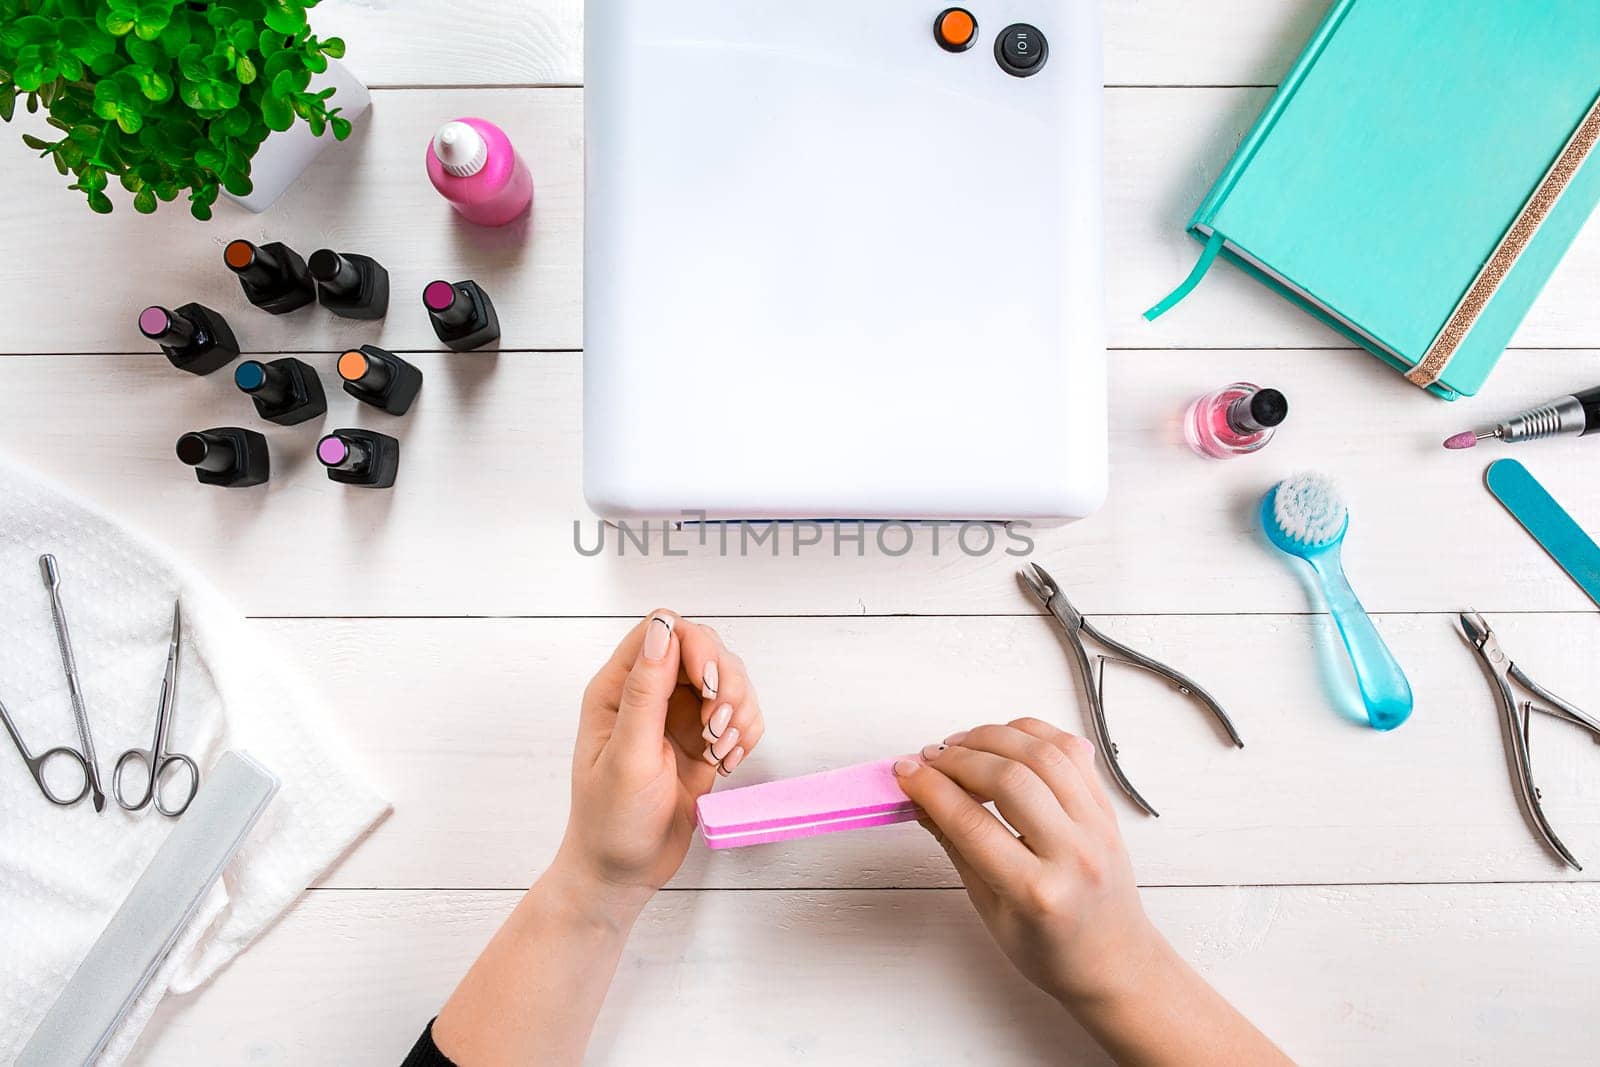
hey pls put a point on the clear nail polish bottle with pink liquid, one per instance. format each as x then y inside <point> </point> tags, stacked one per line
<point>1234,421</point>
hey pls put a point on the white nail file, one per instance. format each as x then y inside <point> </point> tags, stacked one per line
<point>160,905</point>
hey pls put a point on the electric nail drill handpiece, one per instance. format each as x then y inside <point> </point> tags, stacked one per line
<point>194,338</point>
<point>1575,415</point>
<point>228,456</point>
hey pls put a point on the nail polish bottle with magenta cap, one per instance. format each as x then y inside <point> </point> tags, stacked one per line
<point>462,316</point>
<point>194,338</point>
<point>363,458</point>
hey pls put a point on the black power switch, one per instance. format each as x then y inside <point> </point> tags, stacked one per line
<point>1021,50</point>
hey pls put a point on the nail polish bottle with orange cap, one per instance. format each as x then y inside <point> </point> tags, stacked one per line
<point>273,276</point>
<point>378,377</point>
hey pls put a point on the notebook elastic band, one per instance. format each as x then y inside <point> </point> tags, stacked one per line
<point>1512,245</point>
<point>1208,257</point>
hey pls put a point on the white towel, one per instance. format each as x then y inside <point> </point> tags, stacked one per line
<point>65,871</point>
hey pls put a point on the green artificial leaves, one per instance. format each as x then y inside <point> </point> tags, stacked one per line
<point>165,96</point>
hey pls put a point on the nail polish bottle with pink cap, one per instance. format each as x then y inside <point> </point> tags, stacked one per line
<point>195,338</point>
<point>365,459</point>
<point>474,166</point>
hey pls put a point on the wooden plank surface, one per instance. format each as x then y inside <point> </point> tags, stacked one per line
<point>1394,905</point>
<point>1362,975</point>
<point>503,42</point>
<point>1164,147</point>
<point>482,520</point>
<point>467,726</point>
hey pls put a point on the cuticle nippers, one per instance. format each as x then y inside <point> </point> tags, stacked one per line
<point>1515,718</point>
<point>1092,672</point>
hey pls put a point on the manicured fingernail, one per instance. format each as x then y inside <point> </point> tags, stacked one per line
<point>956,739</point>
<point>657,638</point>
<point>709,757</point>
<point>724,744</point>
<point>932,751</point>
<point>730,761</point>
<point>1089,745</point>
<point>719,721</point>
<point>708,681</point>
<point>906,767</point>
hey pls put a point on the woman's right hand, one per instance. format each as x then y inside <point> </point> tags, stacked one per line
<point>1060,899</point>
<point>1058,895</point>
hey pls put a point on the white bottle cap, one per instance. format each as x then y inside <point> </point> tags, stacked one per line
<point>461,149</point>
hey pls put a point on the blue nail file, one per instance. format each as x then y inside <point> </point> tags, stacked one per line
<point>1533,506</point>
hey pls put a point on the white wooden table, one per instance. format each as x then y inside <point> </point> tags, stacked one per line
<point>1366,898</point>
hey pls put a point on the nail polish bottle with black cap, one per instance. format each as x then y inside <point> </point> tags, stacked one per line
<point>363,458</point>
<point>462,316</point>
<point>195,338</point>
<point>378,377</point>
<point>273,276</point>
<point>228,456</point>
<point>285,391</point>
<point>1234,421</point>
<point>356,287</point>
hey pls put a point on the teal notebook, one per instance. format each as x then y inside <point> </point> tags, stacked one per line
<point>1418,176</point>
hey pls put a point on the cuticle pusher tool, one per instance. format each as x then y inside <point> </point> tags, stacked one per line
<point>51,574</point>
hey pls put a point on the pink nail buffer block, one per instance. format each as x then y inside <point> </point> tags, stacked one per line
<point>846,799</point>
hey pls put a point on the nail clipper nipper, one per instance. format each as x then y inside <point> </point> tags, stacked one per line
<point>1515,718</point>
<point>1076,628</point>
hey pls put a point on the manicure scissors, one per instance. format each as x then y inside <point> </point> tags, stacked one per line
<point>37,764</point>
<point>1515,718</point>
<point>1093,673</point>
<point>157,761</point>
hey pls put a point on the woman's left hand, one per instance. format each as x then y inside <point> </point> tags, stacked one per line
<point>670,711</point>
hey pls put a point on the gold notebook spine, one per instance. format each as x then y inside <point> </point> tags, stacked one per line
<point>1510,249</point>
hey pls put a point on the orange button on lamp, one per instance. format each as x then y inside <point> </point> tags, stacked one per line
<point>955,29</point>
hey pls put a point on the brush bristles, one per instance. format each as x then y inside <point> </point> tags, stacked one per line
<point>1308,509</point>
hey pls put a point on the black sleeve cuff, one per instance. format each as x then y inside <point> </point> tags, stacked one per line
<point>426,1054</point>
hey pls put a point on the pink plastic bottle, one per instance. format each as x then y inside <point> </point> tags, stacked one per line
<point>473,165</point>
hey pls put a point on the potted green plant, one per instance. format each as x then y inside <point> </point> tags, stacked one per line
<point>170,97</point>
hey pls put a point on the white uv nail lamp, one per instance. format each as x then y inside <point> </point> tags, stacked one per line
<point>843,259</point>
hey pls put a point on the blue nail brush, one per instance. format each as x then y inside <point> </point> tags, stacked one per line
<point>1305,517</point>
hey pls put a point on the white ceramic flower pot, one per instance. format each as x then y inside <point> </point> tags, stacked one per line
<point>283,155</point>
